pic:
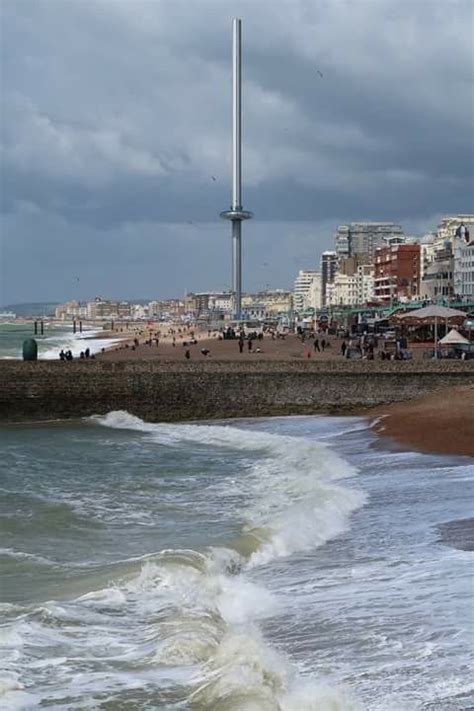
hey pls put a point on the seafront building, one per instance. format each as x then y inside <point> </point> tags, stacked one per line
<point>329,266</point>
<point>71,309</point>
<point>397,273</point>
<point>359,238</point>
<point>463,270</point>
<point>301,290</point>
<point>377,263</point>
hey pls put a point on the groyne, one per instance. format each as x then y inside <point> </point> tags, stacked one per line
<point>172,391</point>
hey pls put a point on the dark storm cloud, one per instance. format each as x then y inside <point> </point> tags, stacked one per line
<point>116,115</point>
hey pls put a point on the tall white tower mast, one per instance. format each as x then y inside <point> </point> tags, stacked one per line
<point>237,214</point>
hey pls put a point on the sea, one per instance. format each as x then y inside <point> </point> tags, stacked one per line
<point>54,338</point>
<point>290,564</point>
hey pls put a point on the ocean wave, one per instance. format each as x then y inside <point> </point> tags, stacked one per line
<point>297,502</point>
<point>193,618</point>
<point>185,611</point>
<point>21,555</point>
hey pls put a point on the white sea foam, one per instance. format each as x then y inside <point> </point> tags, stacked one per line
<point>200,610</point>
<point>296,503</point>
<point>206,613</point>
<point>75,342</point>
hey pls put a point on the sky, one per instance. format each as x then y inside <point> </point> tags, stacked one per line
<point>116,116</point>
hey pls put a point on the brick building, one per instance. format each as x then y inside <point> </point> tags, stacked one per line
<point>397,272</point>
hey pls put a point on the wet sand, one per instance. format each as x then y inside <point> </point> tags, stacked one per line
<point>458,534</point>
<point>442,422</point>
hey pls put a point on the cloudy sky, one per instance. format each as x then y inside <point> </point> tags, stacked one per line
<point>116,113</point>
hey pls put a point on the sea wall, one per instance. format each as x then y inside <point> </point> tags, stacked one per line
<point>160,391</point>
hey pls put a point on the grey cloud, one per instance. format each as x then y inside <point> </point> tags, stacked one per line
<point>115,115</point>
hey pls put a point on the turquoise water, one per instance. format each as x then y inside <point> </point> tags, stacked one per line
<point>288,564</point>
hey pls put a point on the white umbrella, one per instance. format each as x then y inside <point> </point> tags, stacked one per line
<point>433,313</point>
<point>452,338</point>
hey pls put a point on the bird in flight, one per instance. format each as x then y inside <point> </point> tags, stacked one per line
<point>319,73</point>
<point>213,177</point>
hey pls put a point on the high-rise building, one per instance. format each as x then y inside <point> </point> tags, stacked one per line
<point>329,263</point>
<point>302,287</point>
<point>360,238</point>
<point>365,237</point>
<point>341,239</point>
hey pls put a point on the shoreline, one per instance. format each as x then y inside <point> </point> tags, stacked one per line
<point>399,400</point>
<point>439,423</point>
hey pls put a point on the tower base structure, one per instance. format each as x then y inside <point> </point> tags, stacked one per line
<point>236,217</point>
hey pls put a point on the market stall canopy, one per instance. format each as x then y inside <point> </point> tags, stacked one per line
<point>452,338</point>
<point>432,313</point>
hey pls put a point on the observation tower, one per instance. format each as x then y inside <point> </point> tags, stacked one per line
<point>236,214</point>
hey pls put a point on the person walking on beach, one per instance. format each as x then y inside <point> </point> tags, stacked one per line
<point>241,345</point>
<point>250,344</point>
<point>323,344</point>
<point>187,354</point>
<point>343,348</point>
<point>316,345</point>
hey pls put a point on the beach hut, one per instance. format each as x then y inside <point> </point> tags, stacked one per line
<point>431,315</point>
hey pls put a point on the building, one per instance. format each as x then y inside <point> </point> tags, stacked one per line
<point>437,281</point>
<point>302,287</point>
<point>350,265</point>
<point>329,263</point>
<point>342,291</point>
<point>313,297</point>
<point>365,284</point>
<point>221,302</point>
<point>71,309</point>
<point>364,237</point>
<point>463,269</point>
<point>448,226</point>
<point>397,272</point>
<point>254,311</point>
<point>100,309</point>
<point>276,301</point>
<point>341,239</point>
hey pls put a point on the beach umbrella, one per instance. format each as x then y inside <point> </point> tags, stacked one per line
<point>431,314</point>
<point>452,338</point>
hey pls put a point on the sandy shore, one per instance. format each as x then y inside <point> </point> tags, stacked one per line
<point>290,348</point>
<point>442,422</point>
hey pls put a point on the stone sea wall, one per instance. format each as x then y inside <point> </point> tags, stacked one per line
<point>160,391</point>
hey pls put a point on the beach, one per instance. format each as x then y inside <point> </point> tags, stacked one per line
<point>442,422</point>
